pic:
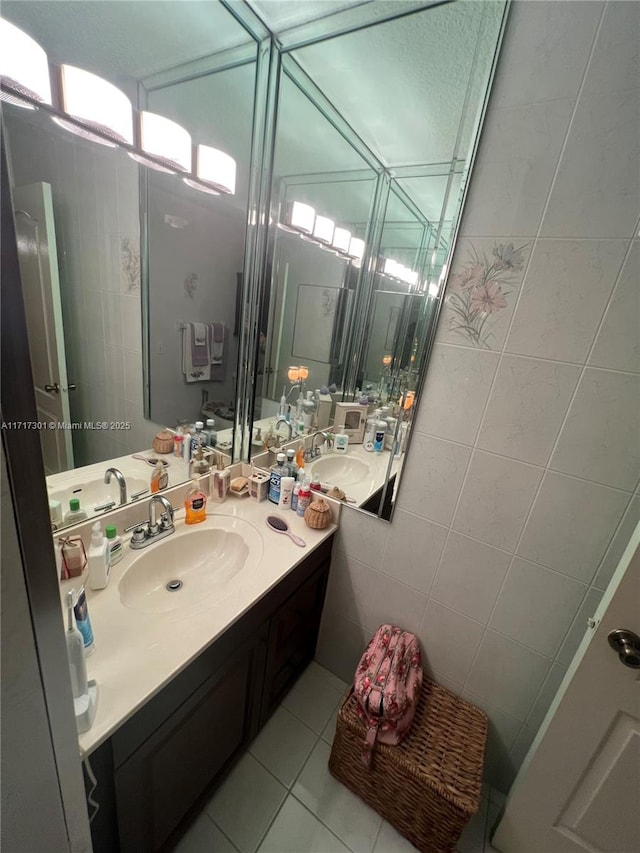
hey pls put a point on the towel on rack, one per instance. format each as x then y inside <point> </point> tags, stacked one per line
<point>199,348</point>
<point>194,372</point>
<point>216,351</point>
<point>200,334</point>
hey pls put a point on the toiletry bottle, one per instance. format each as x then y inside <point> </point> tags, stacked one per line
<point>196,439</point>
<point>282,411</point>
<point>211,435</point>
<point>195,504</point>
<point>74,513</point>
<point>378,441</point>
<point>294,495</point>
<point>291,463</point>
<point>341,443</point>
<point>178,440</point>
<point>315,484</point>
<point>300,460</point>
<point>219,482</point>
<point>159,477</point>
<point>75,653</point>
<point>55,514</point>
<point>81,612</point>
<point>370,433</point>
<point>304,497</point>
<point>286,492</point>
<point>116,552</point>
<point>277,472</point>
<point>99,562</point>
<point>186,444</point>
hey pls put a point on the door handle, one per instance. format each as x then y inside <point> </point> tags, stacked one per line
<point>52,389</point>
<point>70,387</point>
<point>627,645</point>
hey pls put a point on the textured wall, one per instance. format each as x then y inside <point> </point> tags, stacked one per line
<point>521,484</point>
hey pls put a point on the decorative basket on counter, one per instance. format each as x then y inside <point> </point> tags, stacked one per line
<point>318,514</point>
<point>163,442</point>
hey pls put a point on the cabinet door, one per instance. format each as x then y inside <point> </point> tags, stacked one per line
<point>158,784</point>
<point>293,635</point>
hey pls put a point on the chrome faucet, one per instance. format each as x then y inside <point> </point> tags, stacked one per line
<point>154,530</point>
<point>326,437</point>
<point>121,482</point>
<point>282,420</point>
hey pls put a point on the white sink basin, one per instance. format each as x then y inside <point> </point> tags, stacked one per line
<point>341,470</point>
<point>202,562</point>
<point>92,493</point>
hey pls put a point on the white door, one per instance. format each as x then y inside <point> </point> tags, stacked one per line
<point>579,787</point>
<point>38,258</point>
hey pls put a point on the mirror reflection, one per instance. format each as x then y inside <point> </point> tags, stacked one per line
<point>385,120</point>
<point>135,280</point>
<point>94,260</point>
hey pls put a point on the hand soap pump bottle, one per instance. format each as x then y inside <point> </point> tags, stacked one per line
<point>341,443</point>
<point>195,504</point>
<point>85,693</point>
<point>99,558</point>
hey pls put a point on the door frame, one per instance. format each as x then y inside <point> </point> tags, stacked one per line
<point>27,486</point>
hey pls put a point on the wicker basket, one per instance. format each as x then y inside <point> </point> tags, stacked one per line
<point>429,785</point>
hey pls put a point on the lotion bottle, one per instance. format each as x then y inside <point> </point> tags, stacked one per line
<point>99,558</point>
<point>74,513</point>
<point>341,443</point>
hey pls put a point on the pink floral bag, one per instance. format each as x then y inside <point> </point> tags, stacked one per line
<point>387,686</point>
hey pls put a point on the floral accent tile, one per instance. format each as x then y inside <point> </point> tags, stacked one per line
<point>129,264</point>
<point>481,293</point>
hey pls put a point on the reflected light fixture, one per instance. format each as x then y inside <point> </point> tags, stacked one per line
<point>434,289</point>
<point>303,372</point>
<point>97,104</point>
<point>356,248</point>
<point>341,239</point>
<point>215,170</point>
<point>293,374</point>
<point>24,67</point>
<point>408,400</point>
<point>167,143</point>
<point>386,360</point>
<point>323,229</point>
<point>299,217</point>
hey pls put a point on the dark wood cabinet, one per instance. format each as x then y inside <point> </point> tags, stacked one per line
<point>179,745</point>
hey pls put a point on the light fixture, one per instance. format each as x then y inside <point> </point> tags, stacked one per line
<point>97,104</point>
<point>341,239</point>
<point>215,170</point>
<point>356,248</point>
<point>24,67</point>
<point>391,268</point>
<point>386,360</point>
<point>299,217</point>
<point>293,374</point>
<point>167,144</point>
<point>303,372</point>
<point>408,400</point>
<point>323,229</point>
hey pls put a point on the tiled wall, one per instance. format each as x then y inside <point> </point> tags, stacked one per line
<point>521,485</point>
<point>95,199</point>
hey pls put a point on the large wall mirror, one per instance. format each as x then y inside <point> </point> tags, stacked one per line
<point>117,257</point>
<point>374,140</point>
<point>368,118</point>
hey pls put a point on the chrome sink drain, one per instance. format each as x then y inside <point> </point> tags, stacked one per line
<point>174,585</point>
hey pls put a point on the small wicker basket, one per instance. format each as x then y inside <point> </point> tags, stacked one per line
<point>318,514</point>
<point>427,786</point>
<point>163,442</point>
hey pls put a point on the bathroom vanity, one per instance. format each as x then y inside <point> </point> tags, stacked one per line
<point>167,732</point>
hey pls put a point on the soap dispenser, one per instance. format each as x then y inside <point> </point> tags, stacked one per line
<point>99,558</point>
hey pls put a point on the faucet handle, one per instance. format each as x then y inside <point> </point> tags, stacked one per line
<point>166,521</point>
<point>139,532</point>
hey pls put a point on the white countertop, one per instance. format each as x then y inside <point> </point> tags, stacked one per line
<point>137,653</point>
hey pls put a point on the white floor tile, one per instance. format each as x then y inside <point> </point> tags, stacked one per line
<point>246,803</point>
<point>345,814</point>
<point>296,830</point>
<point>314,696</point>
<point>204,836</point>
<point>390,841</point>
<point>283,746</point>
<point>329,731</point>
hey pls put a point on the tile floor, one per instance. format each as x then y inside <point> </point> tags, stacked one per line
<point>280,797</point>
